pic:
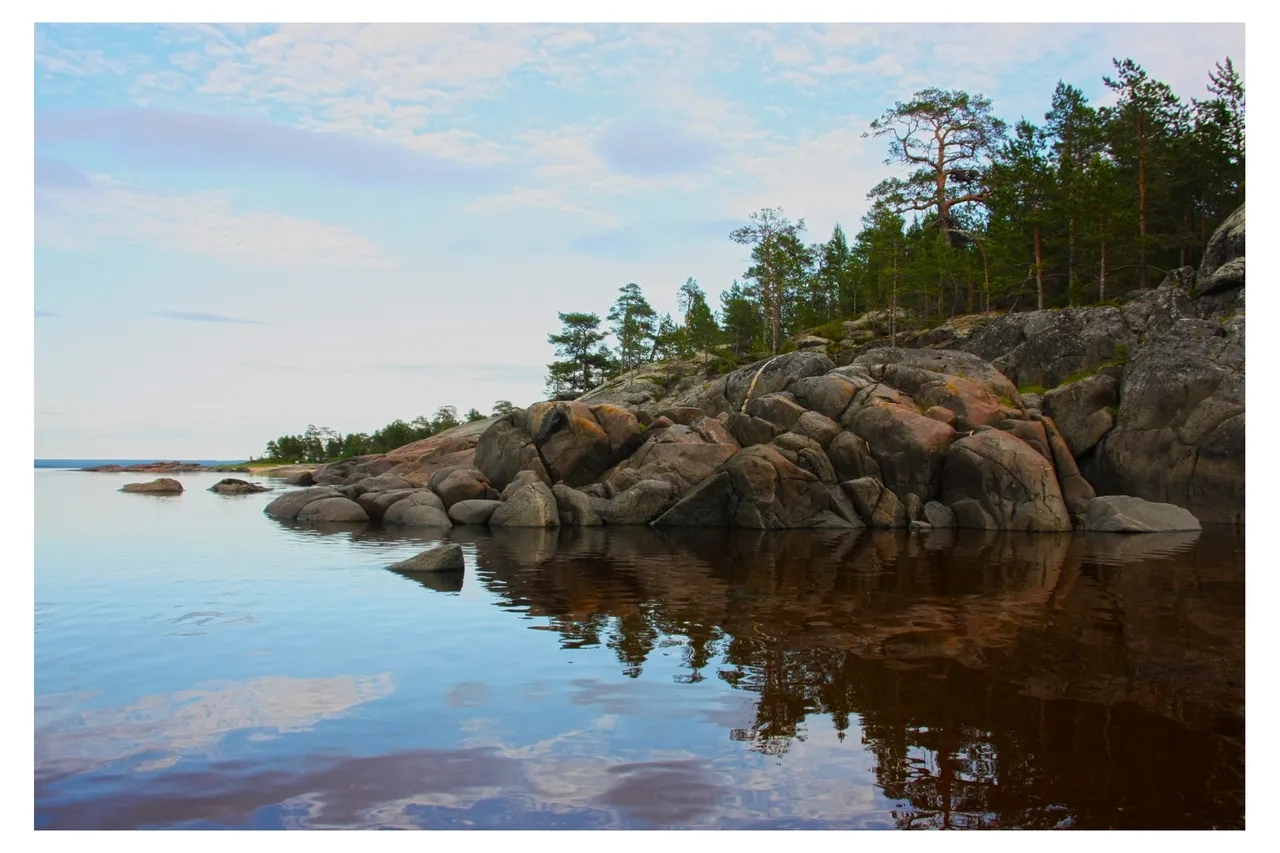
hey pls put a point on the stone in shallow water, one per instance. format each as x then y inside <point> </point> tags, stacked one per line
<point>1124,514</point>
<point>443,558</point>
<point>162,486</point>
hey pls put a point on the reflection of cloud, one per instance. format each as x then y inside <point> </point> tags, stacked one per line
<point>202,317</point>
<point>468,694</point>
<point>193,721</point>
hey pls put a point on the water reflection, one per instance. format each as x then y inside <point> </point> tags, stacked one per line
<point>958,679</point>
<point>165,727</point>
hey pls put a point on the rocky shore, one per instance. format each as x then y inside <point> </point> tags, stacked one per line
<point>1119,418</point>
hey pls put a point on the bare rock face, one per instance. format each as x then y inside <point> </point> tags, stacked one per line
<point>996,481</point>
<point>504,450</point>
<point>161,486</point>
<point>757,488</point>
<point>772,375</point>
<point>532,505</point>
<point>1123,514</point>
<point>1222,267</point>
<point>680,455</point>
<point>1179,434</point>
<point>1083,410</point>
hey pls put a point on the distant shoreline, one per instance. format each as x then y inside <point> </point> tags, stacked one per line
<point>170,466</point>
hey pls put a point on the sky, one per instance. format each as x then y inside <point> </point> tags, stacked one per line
<point>241,230</point>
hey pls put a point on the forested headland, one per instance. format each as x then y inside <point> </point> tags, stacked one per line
<point>1082,206</point>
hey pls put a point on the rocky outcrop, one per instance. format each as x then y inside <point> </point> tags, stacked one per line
<point>1179,433</point>
<point>442,558</point>
<point>232,486</point>
<point>161,486</point>
<point>1222,267</point>
<point>1123,514</point>
<point>455,484</point>
<point>505,449</point>
<point>639,504</point>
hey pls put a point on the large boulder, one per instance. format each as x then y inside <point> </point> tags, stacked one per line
<point>908,447</point>
<point>418,462</point>
<point>748,430</point>
<point>1222,267</point>
<point>1124,514</point>
<point>289,504</point>
<point>575,507</point>
<point>806,453</point>
<point>772,375</point>
<point>819,427</point>
<point>996,481</point>
<point>779,409</point>
<point>376,504</point>
<point>473,512</point>
<point>573,446</point>
<point>1084,410</point>
<point>829,394</point>
<point>461,484</point>
<point>161,486</point>
<point>382,483</point>
<point>757,488</point>
<point>333,510</point>
<point>531,505</point>
<point>975,392</point>
<point>232,486</point>
<point>419,508</point>
<point>851,457</point>
<point>504,450</point>
<point>879,507</point>
<point>1076,490</point>
<point>678,455</point>
<point>639,504</point>
<point>1179,434</point>
<point>442,558</point>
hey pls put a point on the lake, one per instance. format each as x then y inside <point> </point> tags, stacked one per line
<point>200,665</point>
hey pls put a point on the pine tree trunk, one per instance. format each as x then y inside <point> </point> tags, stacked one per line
<point>893,312</point>
<point>1102,271</point>
<point>1071,261</point>
<point>1039,273</point>
<point>1142,207</point>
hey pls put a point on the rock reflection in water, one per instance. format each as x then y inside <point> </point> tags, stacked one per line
<point>999,679</point>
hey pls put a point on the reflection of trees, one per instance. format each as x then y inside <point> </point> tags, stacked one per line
<point>1028,681</point>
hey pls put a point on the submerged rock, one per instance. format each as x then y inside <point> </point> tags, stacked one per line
<point>1123,514</point>
<point>161,486</point>
<point>232,486</point>
<point>443,558</point>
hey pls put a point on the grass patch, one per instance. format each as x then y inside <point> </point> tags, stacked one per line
<point>832,331</point>
<point>1032,389</point>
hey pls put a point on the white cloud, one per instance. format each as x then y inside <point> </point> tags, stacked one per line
<point>205,224</point>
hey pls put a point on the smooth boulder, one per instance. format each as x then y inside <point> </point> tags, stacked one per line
<point>328,510</point>
<point>289,504</point>
<point>232,486</point>
<point>420,508</point>
<point>1124,514</point>
<point>532,505</point>
<point>473,512</point>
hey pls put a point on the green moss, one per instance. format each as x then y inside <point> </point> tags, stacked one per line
<point>832,331</point>
<point>1031,389</point>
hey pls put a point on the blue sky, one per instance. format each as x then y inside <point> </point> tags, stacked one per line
<point>241,230</point>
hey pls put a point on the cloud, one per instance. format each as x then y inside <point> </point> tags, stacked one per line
<point>612,242</point>
<point>55,174</point>
<point>645,149</point>
<point>40,313</point>
<point>200,224</point>
<point>186,139</point>
<point>202,317</point>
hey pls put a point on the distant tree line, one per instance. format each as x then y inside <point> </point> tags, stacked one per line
<point>1081,208</point>
<point>321,444</point>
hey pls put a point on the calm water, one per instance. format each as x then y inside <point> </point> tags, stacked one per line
<point>200,665</point>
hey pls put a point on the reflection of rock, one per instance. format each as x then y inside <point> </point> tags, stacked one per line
<point>194,721</point>
<point>435,581</point>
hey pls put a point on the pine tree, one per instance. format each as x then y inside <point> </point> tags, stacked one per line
<point>633,320</point>
<point>584,359</point>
